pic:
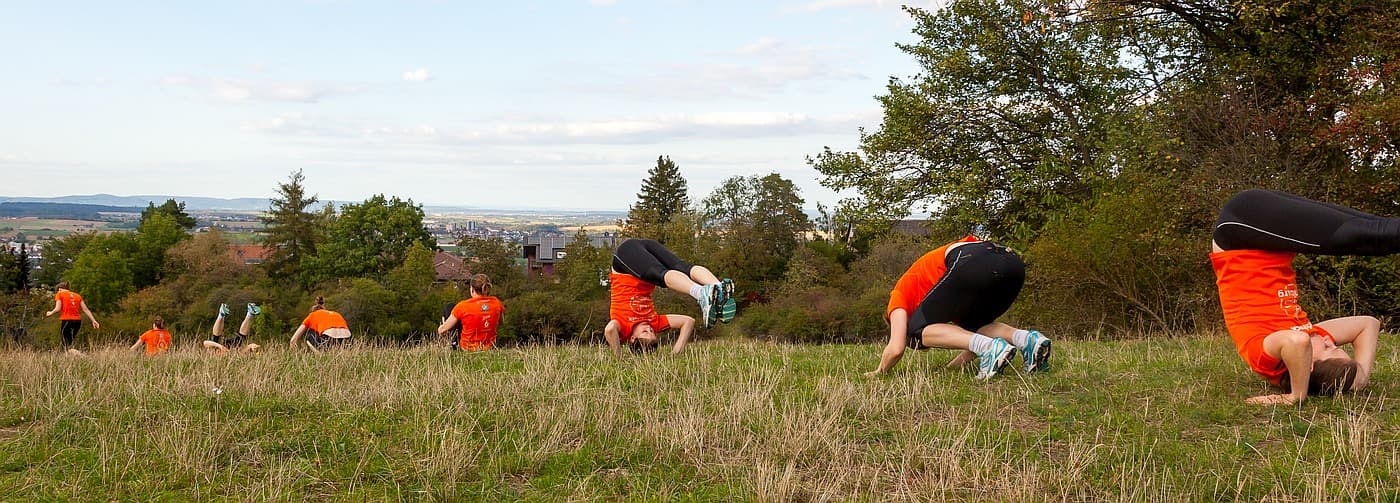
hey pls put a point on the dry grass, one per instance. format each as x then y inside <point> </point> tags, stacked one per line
<point>1134,421</point>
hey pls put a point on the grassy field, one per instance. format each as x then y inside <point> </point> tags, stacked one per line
<point>1120,421</point>
<point>44,227</point>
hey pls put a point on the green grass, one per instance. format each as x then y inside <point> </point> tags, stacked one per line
<point>1130,421</point>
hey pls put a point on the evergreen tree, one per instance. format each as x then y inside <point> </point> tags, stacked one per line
<point>22,275</point>
<point>663,196</point>
<point>291,230</point>
<point>170,207</point>
<point>8,271</point>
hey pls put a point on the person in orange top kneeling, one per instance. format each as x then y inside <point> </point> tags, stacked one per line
<point>479,316</point>
<point>1252,246</point>
<point>322,328</point>
<point>156,340</point>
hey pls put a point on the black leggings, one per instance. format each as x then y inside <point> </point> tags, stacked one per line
<point>69,330</point>
<point>1270,220</point>
<point>982,281</point>
<point>648,260</point>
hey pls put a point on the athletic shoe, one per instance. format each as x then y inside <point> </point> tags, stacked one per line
<point>728,309</point>
<point>992,361</point>
<point>1037,353</point>
<point>223,309</point>
<point>709,305</point>
<point>254,309</point>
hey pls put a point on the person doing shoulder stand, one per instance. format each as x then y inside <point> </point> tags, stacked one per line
<point>951,298</point>
<point>638,267</point>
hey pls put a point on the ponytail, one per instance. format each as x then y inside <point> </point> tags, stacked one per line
<point>481,284</point>
<point>159,323</point>
<point>320,304</point>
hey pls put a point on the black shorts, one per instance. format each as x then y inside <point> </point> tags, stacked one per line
<point>647,260</point>
<point>230,342</point>
<point>982,281</point>
<point>455,333</point>
<point>69,330</point>
<point>321,342</point>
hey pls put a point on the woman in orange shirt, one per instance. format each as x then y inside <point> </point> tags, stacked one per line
<point>951,298</point>
<point>72,307</point>
<point>322,328</point>
<point>638,267</point>
<point>156,340</point>
<point>1253,244</point>
<point>479,316</point>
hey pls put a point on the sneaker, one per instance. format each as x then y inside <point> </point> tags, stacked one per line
<point>709,305</point>
<point>1037,353</point>
<point>991,362</point>
<point>254,309</point>
<point>223,309</point>
<point>727,309</point>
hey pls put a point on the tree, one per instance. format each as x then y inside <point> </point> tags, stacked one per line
<point>22,274</point>
<point>368,239</point>
<point>759,221</point>
<point>662,197</point>
<point>291,230</point>
<point>172,208</point>
<point>494,257</point>
<point>583,268</point>
<point>9,271</point>
<point>59,255</point>
<point>156,235</point>
<point>101,273</point>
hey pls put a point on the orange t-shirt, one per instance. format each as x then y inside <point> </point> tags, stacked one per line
<point>156,341</point>
<point>1259,296</point>
<point>632,304</point>
<point>480,316</point>
<point>321,320</point>
<point>70,305</point>
<point>916,282</point>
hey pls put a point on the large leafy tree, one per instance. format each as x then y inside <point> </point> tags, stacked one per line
<point>758,221</point>
<point>101,273</point>
<point>173,208</point>
<point>156,235</point>
<point>662,198</point>
<point>292,230</point>
<point>368,239</point>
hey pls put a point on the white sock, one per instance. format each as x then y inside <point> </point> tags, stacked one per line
<point>980,344</point>
<point>1018,338</point>
<point>221,316</point>
<point>697,291</point>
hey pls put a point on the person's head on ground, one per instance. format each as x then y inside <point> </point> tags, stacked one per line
<point>481,285</point>
<point>644,339</point>
<point>158,323</point>
<point>1332,375</point>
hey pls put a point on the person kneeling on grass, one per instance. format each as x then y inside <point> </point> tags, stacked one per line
<point>156,340</point>
<point>951,297</point>
<point>322,328</point>
<point>476,318</point>
<point>638,267</point>
<point>218,344</point>
<point>1252,248</point>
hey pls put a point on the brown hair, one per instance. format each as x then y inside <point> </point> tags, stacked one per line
<point>159,323</point>
<point>1332,375</point>
<point>481,284</point>
<point>320,304</point>
<point>62,285</point>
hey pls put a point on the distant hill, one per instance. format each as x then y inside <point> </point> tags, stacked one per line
<point>191,203</point>
<point>61,210</point>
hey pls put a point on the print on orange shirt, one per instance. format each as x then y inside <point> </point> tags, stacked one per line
<point>631,304</point>
<point>71,305</point>
<point>156,341</point>
<point>480,317</point>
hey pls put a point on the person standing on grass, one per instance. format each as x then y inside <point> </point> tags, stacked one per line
<point>70,306</point>
<point>218,344</point>
<point>322,328</point>
<point>475,318</point>
<point>1252,247</point>
<point>638,267</point>
<point>951,297</point>
<point>156,340</point>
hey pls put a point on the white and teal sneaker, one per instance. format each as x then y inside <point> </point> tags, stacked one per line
<point>709,305</point>
<point>223,309</point>
<point>728,308</point>
<point>1037,355</point>
<point>991,362</point>
<point>253,309</point>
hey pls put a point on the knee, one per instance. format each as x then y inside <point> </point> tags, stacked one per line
<point>1294,340</point>
<point>1372,324</point>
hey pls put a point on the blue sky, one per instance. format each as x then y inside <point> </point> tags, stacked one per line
<point>561,104</point>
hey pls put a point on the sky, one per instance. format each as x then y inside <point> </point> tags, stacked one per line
<point>508,104</point>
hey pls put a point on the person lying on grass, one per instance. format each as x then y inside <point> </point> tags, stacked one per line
<point>951,298</point>
<point>1252,247</point>
<point>156,340</point>
<point>218,344</point>
<point>638,267</point>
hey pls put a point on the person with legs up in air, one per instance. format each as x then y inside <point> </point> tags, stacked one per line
<point>476,318</point>
<point>322,329</point>
<point>1253,244</point>
<point>219,344</point>
<point>71,307</point>
<point>951,298</point>
<point>156,340</point>
<point>638,267</point>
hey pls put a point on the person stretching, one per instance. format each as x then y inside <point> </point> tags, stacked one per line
<point>322,328</point>
<point>479,316</point>
<point>638,267</point>
<point>218,344</point>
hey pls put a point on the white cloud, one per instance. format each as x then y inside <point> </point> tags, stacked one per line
<point>240,90</point>
<point>419,75</point>
<point>821,5</point>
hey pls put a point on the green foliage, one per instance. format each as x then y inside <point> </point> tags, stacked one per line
<point>101,273</point>
<point>291,229</point>
<point>368,239</point>
<point>171,208</point>
<point>758,222</point>
<point>59,255</point>
<point>584,269</point>
<point>495,257</point>
<point>154,237</point>
<point>542,317</point>
<point>663,196</point>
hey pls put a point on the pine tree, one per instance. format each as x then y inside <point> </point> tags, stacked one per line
<point>291,230</point>
<point>663,196</point>
<point>170,207</point>
<point>22,277</point>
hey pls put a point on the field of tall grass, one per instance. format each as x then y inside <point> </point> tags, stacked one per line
<point>1143,420</point>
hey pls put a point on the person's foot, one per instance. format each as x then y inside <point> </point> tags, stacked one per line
<point>1037,355</point>
<point>709,305</point>
<point>727,309</point>
<point>74,352</point>
<point>252,348</point>
<point>223,309</point>
<point>992,361</point>
<point>253,309</point>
